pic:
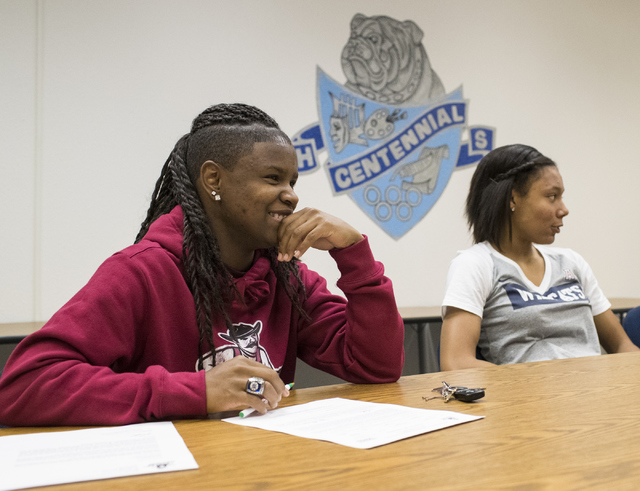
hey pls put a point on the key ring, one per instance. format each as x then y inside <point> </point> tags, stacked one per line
<point>463,394</point>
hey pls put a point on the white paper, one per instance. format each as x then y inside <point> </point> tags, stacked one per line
<point>356,424</point>
<point>41,459</point>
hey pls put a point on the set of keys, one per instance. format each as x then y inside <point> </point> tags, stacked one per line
<point>463,394</point>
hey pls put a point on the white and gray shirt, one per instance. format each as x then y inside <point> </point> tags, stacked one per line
<point>522,322</point>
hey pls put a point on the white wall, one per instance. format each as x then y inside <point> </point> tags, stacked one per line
<point>18,144</point>
<point>94,95</point>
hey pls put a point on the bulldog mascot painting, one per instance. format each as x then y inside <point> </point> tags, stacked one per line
<point>394,136</point>
<point>385,61</point>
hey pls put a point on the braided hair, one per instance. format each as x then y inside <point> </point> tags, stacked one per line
<point>501,171</point>
<point>223,133</point>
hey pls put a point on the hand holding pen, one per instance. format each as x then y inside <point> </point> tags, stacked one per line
<point>239,383</point>
<point>246,412</point>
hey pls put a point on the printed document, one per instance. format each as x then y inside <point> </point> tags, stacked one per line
<point>41,459</point>
<point>356,424</point>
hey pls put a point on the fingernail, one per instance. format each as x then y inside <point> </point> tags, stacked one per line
<point>280,257</point>
<point>297,254</point>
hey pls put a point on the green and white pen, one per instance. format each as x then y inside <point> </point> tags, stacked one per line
<point>246,412</point>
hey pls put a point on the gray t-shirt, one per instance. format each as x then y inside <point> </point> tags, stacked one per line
<point>521,321</point>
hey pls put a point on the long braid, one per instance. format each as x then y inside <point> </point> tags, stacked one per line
<point>526,167</point>
<point>209,281</point>
<point>162,200</point>
<point>288,273</point>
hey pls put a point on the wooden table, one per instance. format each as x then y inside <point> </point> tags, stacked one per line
<point>15,332</point>
<point>562,424</point>
<point>420,314</point>
<point>621,306</point>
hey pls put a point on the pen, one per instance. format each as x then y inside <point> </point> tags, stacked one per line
<point>246,412</point>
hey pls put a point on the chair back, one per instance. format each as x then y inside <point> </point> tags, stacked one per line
<point>631,324</point>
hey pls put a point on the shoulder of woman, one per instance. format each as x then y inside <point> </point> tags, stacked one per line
<point>475,262</point>
<point>478,253</point>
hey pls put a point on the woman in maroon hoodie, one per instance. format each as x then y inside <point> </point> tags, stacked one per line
<point>211,295</point>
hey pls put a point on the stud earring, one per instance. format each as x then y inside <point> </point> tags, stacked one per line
<point>513,208</point>
<point>215,195</point>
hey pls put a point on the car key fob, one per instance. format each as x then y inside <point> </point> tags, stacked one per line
<point>465,394</point>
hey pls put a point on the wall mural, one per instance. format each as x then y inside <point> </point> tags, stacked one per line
<point>392,134</point>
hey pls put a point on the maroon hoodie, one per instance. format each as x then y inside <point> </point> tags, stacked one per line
<point>124,349</point>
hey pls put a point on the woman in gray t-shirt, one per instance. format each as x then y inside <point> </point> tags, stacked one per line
<point>509,297</point>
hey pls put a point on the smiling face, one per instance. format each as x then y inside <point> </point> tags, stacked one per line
<point>256,194</point>
<point>538,214</point>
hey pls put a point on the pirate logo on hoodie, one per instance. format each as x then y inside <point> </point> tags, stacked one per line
<point>243,339</point>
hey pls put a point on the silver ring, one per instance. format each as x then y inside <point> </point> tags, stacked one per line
<point>255,386</point>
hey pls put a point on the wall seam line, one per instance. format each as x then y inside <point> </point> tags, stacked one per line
<point>37,215</point>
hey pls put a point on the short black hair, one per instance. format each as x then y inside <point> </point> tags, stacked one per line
<point>501,171</point>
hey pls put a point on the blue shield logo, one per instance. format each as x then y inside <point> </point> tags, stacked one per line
<point>392,134</point>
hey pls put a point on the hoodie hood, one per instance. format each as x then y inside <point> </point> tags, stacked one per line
<point>167,231</point>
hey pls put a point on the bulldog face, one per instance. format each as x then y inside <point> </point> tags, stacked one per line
<point>384,55</point>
